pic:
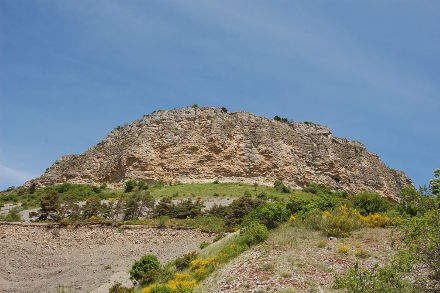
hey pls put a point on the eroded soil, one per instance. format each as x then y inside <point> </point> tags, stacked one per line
<point>38,258</point>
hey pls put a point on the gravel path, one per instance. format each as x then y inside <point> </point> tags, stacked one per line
<point>38,258</point>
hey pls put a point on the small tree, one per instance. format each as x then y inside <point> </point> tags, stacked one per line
<point>194,106</point>
<point>145,270</point>
<point>92,207</point>
<point>435,183</point>
<point>32,188</point>
<point>50,206</point>
<point>130,185</point>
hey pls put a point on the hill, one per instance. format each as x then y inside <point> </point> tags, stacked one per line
<point>205,144</point>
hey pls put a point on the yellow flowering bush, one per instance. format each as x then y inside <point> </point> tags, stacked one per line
<point>376,220</point>
<point>292,219</point>
<point>182,281</point>
<point>203,266</point>
<point>343,249</point>
<point>341,221</point>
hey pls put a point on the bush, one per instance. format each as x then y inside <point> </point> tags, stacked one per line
<point>194,106</point>
<point>321,202</point>
<point>118,288</point>
<point>145,270</point>
<point>414,203</point>
<point>316,188</point>
<point>376,220</point>
<point>184,261</point>
<point>130,185</point>
<point>279,185</point>
<point>50,206</point>
<point>12,216</point>
<point>164,207</point>
<point>370,203</point>
<point>314,220</point>
<point>224,110</point>
<point>204,244</point>
<point>254,233</point>
<point>389,278</point>
<point>92,208</point>
<point>341,221</point>
<point>188,209</point>
<point>239,208</point>
<point>163,220</point>
<point>134,205</point>
<point>202,267</point>
<point>423,235</point>
<point>270,215</point>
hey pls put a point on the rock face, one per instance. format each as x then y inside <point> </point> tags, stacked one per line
<point>207,144</point>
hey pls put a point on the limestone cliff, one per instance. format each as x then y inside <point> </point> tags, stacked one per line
<point>206,144</point>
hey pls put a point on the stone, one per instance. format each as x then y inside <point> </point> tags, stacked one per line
<point>206,144</point>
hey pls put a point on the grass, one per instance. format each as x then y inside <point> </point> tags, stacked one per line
<point>80,192</point>
<point>212,190</point>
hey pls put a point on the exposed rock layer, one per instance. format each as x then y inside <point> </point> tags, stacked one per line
<point>206,144</point>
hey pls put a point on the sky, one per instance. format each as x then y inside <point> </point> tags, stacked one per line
<point>72,70</point>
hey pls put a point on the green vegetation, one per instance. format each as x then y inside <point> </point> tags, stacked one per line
<point>145,270</point>
<point>255,211</point>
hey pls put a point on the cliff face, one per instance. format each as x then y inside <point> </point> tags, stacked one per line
<point>205,144</point>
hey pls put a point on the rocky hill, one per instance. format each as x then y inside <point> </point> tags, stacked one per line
<point>207,144</point>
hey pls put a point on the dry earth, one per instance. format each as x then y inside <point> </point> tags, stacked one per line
<point>292,261</point>
<point>38,258</point>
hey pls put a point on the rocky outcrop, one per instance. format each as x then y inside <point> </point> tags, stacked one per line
<point>207,144</point>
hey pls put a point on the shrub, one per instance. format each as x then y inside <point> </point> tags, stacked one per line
<point>163,220</point>
<point>239,208</point>
<point>320,201</point>
<point>224,110</point>
<point>322,244</point>
<point>12,216</point>
<point>188,209</point>
<point>389,278</point>
<point>361,253</point>
<point>314,220</point>
<point>254,233</point>
<point>164,207</point>
<point>202,267</point>
<point>279,185</point>
<point>182,283</point>
<point>145,270</point>
<point>217,211</point>
<point>184,261</point>
<point>270,215</point>
<point>370,203</point>
<point>204,244</point>
<point>341,221</point>
<point>135,204</point>
<point>130,185</point>
<point>316,188</point>
<point>423,236</point>
<point>50,206</point>
<point>414,203</point>
<point>194,106</point>
<point>343,249</point>
<point>92,207</point>
<point>118,288</point>
<point>219,236</point>
<point>376,220</point>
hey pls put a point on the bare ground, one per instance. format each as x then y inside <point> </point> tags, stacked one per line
<point>296,259</point>
<point>38,258</point>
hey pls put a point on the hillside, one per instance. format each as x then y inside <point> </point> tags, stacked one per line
<point>206,144</point>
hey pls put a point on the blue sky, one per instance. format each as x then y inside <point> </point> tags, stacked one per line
<point>70,71</point>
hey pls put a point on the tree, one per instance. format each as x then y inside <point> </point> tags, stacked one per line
<point>50,206</point>
<point>130,185</point>
<point>435,183</point>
